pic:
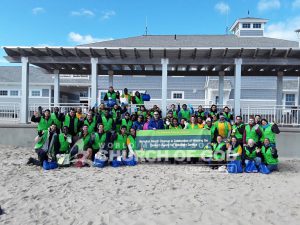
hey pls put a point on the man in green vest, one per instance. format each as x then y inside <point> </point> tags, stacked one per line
<point>100,142</point>
<point>270,155</point>
<point>110,95</point>
<point>91,123</point>
<point>213,130</point>
<point>57,117</point>
<point>126,97</point>
<point>269,130</point>
<point>107,121</point>
<point>44,121</point>
<point>238,130</point>
<point>65,141</point>
<point>251,152</point>
<point>252,131</point>
<point>131,142</point>
<point>193,124</point>
<point>223,127</point>
<point>125,122</point>
<point>72,122</point>
<point>174,111</point>
<point>119,140</point>
<point>137,99</point>
<point>185,113</point>
<point>226,113</point>
<point>200,113</point>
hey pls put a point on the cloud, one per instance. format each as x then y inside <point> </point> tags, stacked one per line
<point>83,12</point>
<point>296,4</point>
<point>108,14</point>
<point>222,7</point>
<point>38,10</point>
<point>284,29</point>
<point>85,39</point>
<point>264,5</point>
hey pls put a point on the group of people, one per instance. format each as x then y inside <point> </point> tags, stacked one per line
<point>112,129</point>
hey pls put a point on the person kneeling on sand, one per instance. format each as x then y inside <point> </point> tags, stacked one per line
<point>251,153</point>
<point>46,145</point>
<point>270,156</point>
<point>119,143</point>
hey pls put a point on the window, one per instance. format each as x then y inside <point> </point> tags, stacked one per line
<point>257,25</point>
<point>3,92</point>
<point>45,92</point>
<point>14,93</point>
<point>290,99</point>
<point>35,93</point>
<point>83,94</point>
<point>246,25</point>
<point>177,94</point>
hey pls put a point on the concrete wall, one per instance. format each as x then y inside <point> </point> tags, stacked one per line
<point>23,135</point>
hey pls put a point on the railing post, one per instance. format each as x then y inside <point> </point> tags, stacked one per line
<point>248,113</point>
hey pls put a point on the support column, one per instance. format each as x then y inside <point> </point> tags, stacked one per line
<point>237,86</point>
<point>56,88</point>
<point>279,88</point>
<point>25,90</point>
<point>164,85</point>
<point>110,78</point>
<point>94,82</point>
<point>221,88</point>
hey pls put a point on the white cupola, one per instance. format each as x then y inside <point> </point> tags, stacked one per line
<point>249,27</point>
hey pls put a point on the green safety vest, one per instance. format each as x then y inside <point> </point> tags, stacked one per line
<point>268,133</point>
<point>201,114</point>
<point>268,158</point>
<point>91,126</point>
<point>185,114</point>
<point>213,114</point>
<point>217,147</point>
<point>175,114</point>
<point>112,95</point>
<point>85,139</point>
<point>56,120</point>
<point>67,122</point>
<point>250,155</point>
<point>132,142</point>
<point>99,141</point>
<point>226,127</point>
<point>42,140</point>
<point>175,128</point>
<point>139,101</point>
<point>44,124</point>
<point>212,130</point>
<point>114,113</point>
<point>128,97</point>
<point>127,124</point>
<point>191,127</point>
<point>143,113</point>
<point>107,123</point>
<point>235,151</point>
<point>64,144</point>
<point>237,134</point>
<point>120,142</point>
<point>251,134</point>
<point>227,116</point>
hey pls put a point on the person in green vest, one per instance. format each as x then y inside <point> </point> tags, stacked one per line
<point>219,152</point>
<point>200,123</point>
<point>213,130</point>
<point>213,112</point>
<point>252,131</point>
<point>223,127</point>
<point>65,141</point>
<point>269,130</point>
<point>238,129</point>
<point>100,140</point>
<point>119,143</point>
<point>270,155</point>
<point>46,146</point>
<point>142,111</point>
<point>57,117</point>
<point>174,111</point>
<point>127,122</point>
<point>87,150</point>
<point>192,125</point>
<point>90,122</point>
<point>126,97</point>
<point>200,113</point>
<point>111,95</point>
<point>102,110</point>
<point>234,150</point>
<point>44,121</point>
<point>137,99</point>
<point>72,122</point>
<point>251,152</point>
<point>227,115</point>
<point>185,113</point>
<point>174,125</point>
<point>107,121</point>
<point>131,142</point>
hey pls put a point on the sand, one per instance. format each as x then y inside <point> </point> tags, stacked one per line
<point>145,194</point>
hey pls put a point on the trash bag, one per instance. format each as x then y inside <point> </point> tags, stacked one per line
<point>63,159</point>
<point>264,169</point>
<point>49,165</point>
<point>100,160</point>
<point>116,163</point>
<point>235,167</point>
<point>146,97</point>
<point>111,102</point>
<point>251,167</point>
<point>131,161</point>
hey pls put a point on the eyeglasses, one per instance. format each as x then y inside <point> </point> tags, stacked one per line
<point>155,114</point>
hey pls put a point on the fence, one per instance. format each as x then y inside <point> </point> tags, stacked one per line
<point>282,115</point>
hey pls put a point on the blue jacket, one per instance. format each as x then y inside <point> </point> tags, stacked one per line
<point>157,124</point>
<point>137,125</point>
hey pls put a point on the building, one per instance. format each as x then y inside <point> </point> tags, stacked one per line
<point>241,69</point>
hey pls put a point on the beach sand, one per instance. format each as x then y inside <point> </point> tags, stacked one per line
<point>144,194</point>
